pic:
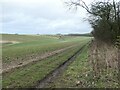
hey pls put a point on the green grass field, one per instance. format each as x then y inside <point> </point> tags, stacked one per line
<point>79,74</point>
<point>34,45</point>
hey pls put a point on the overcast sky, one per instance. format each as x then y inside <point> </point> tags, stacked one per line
<point>41,17</point>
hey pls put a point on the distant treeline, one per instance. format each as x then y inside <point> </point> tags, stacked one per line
<point>88,35</point>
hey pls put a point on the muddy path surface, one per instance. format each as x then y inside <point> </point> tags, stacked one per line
<point>58,71</point>
<point>16,64</point>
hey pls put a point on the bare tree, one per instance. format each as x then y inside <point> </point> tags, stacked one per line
<point>104,17</point>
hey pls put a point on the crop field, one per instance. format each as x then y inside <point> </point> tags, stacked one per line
<point>27,59</point>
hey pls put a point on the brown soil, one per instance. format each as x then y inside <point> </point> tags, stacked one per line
<point>8,42</point>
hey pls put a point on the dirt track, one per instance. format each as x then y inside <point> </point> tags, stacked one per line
<point>12,65</point>
<point>56,72</point>
<point>8,42</point>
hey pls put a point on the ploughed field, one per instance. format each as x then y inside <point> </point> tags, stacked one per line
<point>27,59</point>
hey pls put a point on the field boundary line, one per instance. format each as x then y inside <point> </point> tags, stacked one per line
<point>39,58</point>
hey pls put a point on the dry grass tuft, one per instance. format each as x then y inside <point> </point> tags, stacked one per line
<point>104,61</point>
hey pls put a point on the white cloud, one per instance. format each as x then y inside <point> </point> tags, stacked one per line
<point>41,16</point>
